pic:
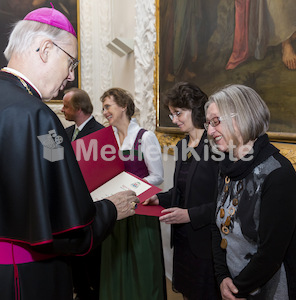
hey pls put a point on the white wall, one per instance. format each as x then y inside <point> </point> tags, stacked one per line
<point>123,26</point>
<point>100,22</point>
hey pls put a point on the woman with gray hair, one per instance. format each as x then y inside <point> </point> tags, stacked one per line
<point>254,238</point>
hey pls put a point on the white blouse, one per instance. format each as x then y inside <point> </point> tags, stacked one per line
<point>150,148</point>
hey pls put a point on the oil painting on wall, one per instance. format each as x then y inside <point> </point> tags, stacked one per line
<point>12,11</point>
<point>217,42</point>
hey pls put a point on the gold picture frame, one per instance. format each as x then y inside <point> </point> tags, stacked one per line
<point>167,137</point>
<point>170,135</point>
<point>76,25</point>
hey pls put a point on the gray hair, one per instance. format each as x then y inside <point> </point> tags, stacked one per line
<point>251,113</point>
<point>25,32</point>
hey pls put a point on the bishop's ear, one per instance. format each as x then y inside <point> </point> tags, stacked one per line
<point>43,50</point>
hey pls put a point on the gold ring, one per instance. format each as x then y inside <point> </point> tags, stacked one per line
<point>134,205</point>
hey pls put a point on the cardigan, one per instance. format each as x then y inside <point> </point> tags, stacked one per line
<point>261,243</point>
<point>199,197</point>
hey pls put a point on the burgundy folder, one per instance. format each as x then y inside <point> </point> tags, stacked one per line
<point>97,156</point>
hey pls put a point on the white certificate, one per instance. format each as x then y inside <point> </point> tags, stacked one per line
<point>121,182</point>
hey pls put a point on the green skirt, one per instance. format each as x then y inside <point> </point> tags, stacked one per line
<point>132,266</point>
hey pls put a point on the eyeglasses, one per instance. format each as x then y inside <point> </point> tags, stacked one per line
<point>217,120</point>
<point>176,114</point>
<point>106,107</point>
<point>74,61</point>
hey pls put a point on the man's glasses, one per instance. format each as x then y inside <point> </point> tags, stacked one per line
<point>74,61</point>
<point>216,121</point>
<point>176,114</point>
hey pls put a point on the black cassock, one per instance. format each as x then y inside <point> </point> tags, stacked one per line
<point>45,207</point>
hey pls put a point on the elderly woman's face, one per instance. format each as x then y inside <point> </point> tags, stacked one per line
<point>216,129</point>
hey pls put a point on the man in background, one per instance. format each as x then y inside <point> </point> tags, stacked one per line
<point>78,108</point>
<point>85,269</point>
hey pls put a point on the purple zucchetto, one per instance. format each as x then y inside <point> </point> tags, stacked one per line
<point>52,17</point>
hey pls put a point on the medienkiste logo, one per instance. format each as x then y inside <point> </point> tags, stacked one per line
<point>52,151</point>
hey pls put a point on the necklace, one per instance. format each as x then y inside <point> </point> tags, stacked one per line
<point>189,154</point>
<point>22,81</point>
<point>194,144</point>
<point>227,226</point>
<point>24,84</point>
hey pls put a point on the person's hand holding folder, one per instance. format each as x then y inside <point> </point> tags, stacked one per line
<point>125,202</point>
<point>151,201</point>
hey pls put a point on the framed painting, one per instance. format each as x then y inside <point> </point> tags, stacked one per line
<point>12,11</point>
<point>218,42</point>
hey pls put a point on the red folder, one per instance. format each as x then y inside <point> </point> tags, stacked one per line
<point>97,156</point>
<point>88,149</point>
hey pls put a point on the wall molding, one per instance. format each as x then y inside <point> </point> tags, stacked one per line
<point>96,59</point>
<point>144,50</point>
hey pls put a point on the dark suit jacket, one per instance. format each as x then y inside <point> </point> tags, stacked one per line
<point>91,126</point>
<point>199,198</point>
<point>86,269</point>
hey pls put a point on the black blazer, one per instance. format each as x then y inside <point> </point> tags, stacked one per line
<point>199,198</point>
<point>91,126</point>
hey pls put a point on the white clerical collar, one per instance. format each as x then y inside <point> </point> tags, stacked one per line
<point>17,73</point>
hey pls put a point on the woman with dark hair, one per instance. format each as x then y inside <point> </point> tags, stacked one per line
<point>190,203</point>
<point>132,265</point>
